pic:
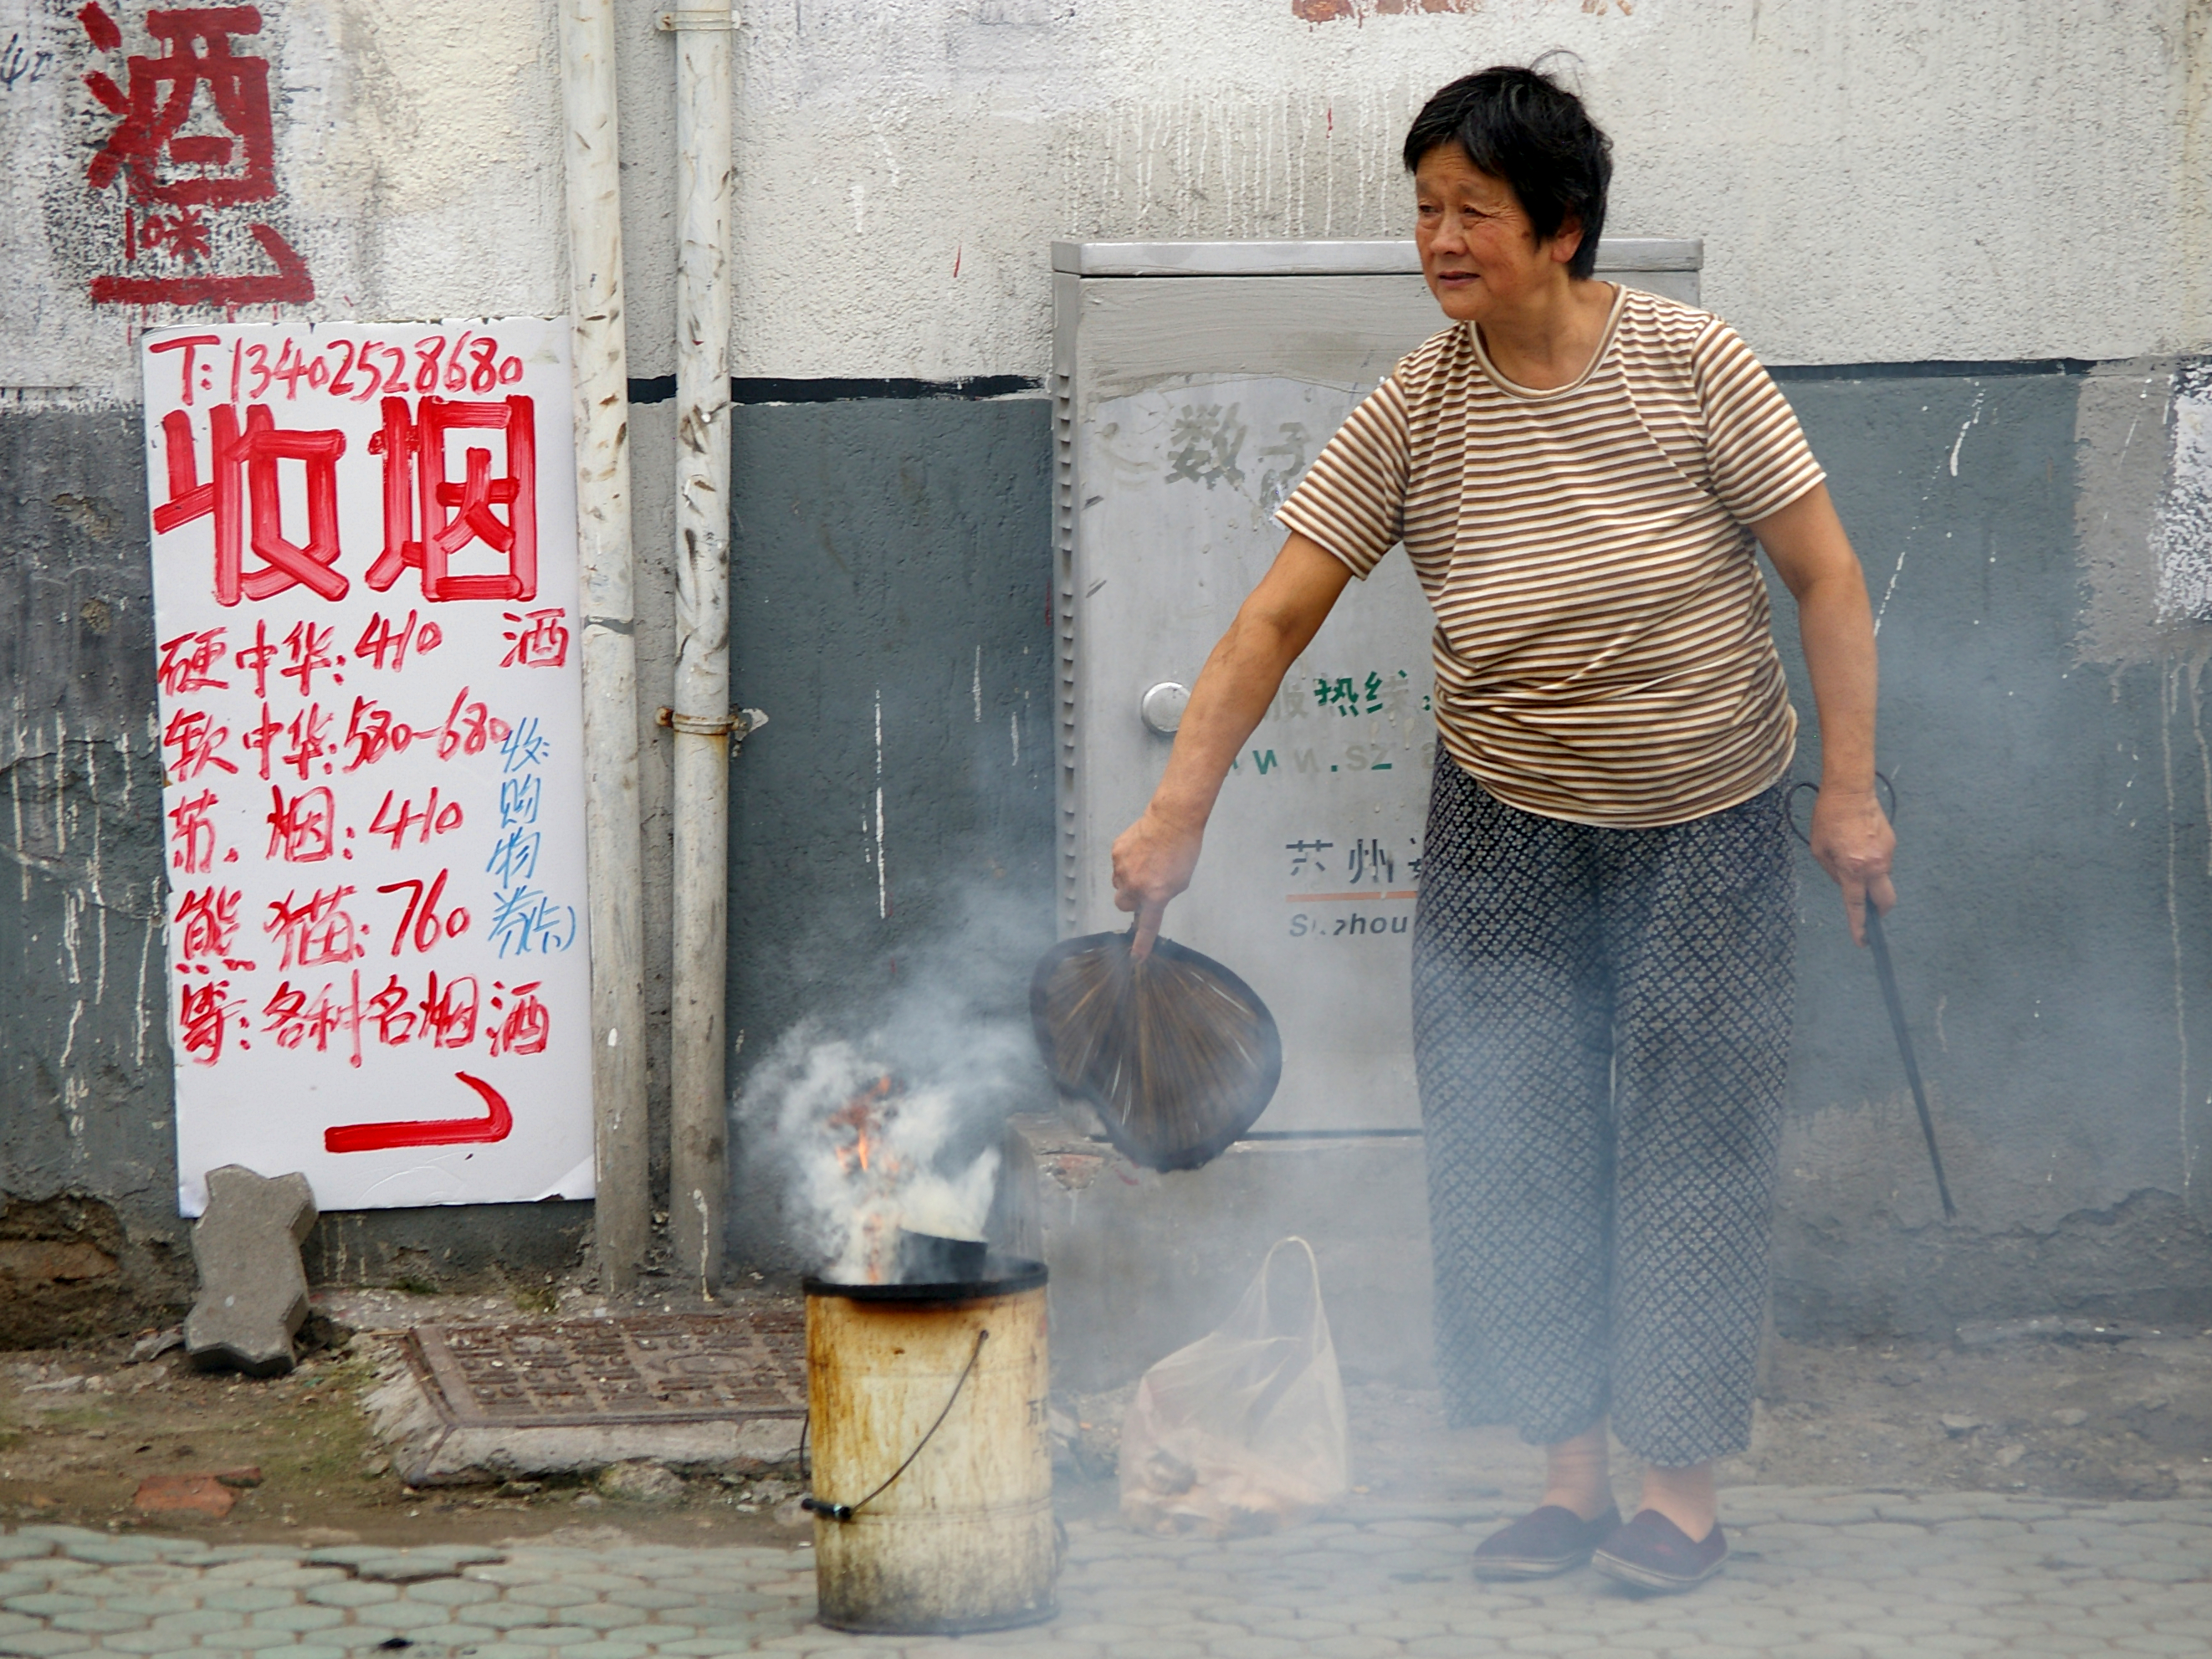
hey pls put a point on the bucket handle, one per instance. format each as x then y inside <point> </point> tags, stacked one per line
<point>829,1511</point>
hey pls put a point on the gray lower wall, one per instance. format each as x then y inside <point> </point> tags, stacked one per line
<point>84,1053</point>
<point>2044,733</point>
<point>2047,741</point>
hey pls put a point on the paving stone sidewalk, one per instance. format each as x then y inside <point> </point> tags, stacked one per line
<point>1816,1574</point>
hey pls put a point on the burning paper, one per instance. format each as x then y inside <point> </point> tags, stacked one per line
<point>866,1158</point>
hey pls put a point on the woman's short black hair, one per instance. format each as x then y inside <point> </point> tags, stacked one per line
<point>1520,125</point>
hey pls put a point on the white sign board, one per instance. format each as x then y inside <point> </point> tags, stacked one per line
<point>371,725</point>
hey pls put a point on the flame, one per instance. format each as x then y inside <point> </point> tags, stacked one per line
<point>863,1114</point>
<point>863,1160</point>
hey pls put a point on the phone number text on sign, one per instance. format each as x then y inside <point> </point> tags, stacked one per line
<point>371,725</point>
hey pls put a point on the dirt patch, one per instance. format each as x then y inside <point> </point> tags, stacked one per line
<point>82,1427</point>
<point>60,1271</point>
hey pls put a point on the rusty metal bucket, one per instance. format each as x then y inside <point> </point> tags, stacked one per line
<point>932,1477</point>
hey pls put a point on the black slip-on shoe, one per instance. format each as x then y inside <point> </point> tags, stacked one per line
<point>1652,1553</point>
<point>1543,1544</point>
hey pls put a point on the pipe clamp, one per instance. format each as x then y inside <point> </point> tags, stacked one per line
<point>739,723</point>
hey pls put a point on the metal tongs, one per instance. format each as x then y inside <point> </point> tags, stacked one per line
<point>1888,975</point>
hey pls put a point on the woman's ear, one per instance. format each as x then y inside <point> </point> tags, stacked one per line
<point>1566,240</point>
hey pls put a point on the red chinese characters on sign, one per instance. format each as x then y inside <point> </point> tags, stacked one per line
<point>430,516</point>
<point>204,1011</point>
<point>192,136</point>
<point>193,740</point>
<point>207,921</point>
<point>189,662</point>
<point>429,519</point>
<point>303,828</point>
<point>192,834</point>
<point>525,1025</point>
<point>243,469</point>
<point>315,931</point>
<point>535,639</point>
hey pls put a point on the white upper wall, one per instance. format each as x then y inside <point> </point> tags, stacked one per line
<point>417,172</point>
<point>1884,181</point>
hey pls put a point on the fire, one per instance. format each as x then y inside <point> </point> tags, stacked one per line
<point>862,1159</point>
<point>865,1115</point>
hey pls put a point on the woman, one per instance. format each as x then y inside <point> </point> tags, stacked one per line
<point>1603,942</point>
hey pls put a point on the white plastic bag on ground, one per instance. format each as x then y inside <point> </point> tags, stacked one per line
<point>1243,1432</point>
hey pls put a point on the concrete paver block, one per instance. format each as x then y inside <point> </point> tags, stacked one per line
<point>1356,1646</point>
<point>47,1604</point>
<point>404,1567</point>
<point>510,1615</point>
<point>117,1551</point>
<point>1401,1629</point>
<point>545,1637</point>
<point>353,1639</point>
<point>253,1291</point>
<point>459,1639</point>
<point>605,1616</point>
<point>298,1619</point>
<point>406,1617</point>
<point>248,1640</point>
<point>453,1592</point>
<point>652,1599</point>
<point>46,1645</point>
<point>152,1644</point>
<point>350,1592</point>
<point>552,1596</point>
<point>247,1598</point>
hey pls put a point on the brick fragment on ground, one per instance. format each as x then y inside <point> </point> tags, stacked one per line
<point>203,1494</point>
<point>253,1291</point>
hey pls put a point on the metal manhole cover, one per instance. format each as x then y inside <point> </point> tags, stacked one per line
<point>656,1368</point>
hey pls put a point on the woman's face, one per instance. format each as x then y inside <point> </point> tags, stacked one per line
<point>1479,252</point>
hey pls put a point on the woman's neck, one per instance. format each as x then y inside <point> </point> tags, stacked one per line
<point>1546,340</point>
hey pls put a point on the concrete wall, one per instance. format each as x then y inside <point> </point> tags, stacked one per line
<point>2054,933</point>
<point>1884,184</point>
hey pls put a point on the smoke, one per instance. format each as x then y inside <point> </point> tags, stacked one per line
<point>895,1122</point>
<point>862,1157</point>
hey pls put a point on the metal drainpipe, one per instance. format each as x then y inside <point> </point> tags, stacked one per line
<point>623,1212</point>
<point>698,1118</point>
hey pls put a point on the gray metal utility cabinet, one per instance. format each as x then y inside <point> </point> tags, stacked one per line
<point>1193,384</point>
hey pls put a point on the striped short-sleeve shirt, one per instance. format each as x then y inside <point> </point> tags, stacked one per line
<point>1603,649</point>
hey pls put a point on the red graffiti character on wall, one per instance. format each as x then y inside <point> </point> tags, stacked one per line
<point>192,135</point>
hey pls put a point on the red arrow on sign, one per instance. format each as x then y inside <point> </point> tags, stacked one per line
<point>427,1132</point>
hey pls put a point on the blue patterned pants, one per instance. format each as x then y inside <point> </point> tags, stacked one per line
<point>1601,1028</point>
